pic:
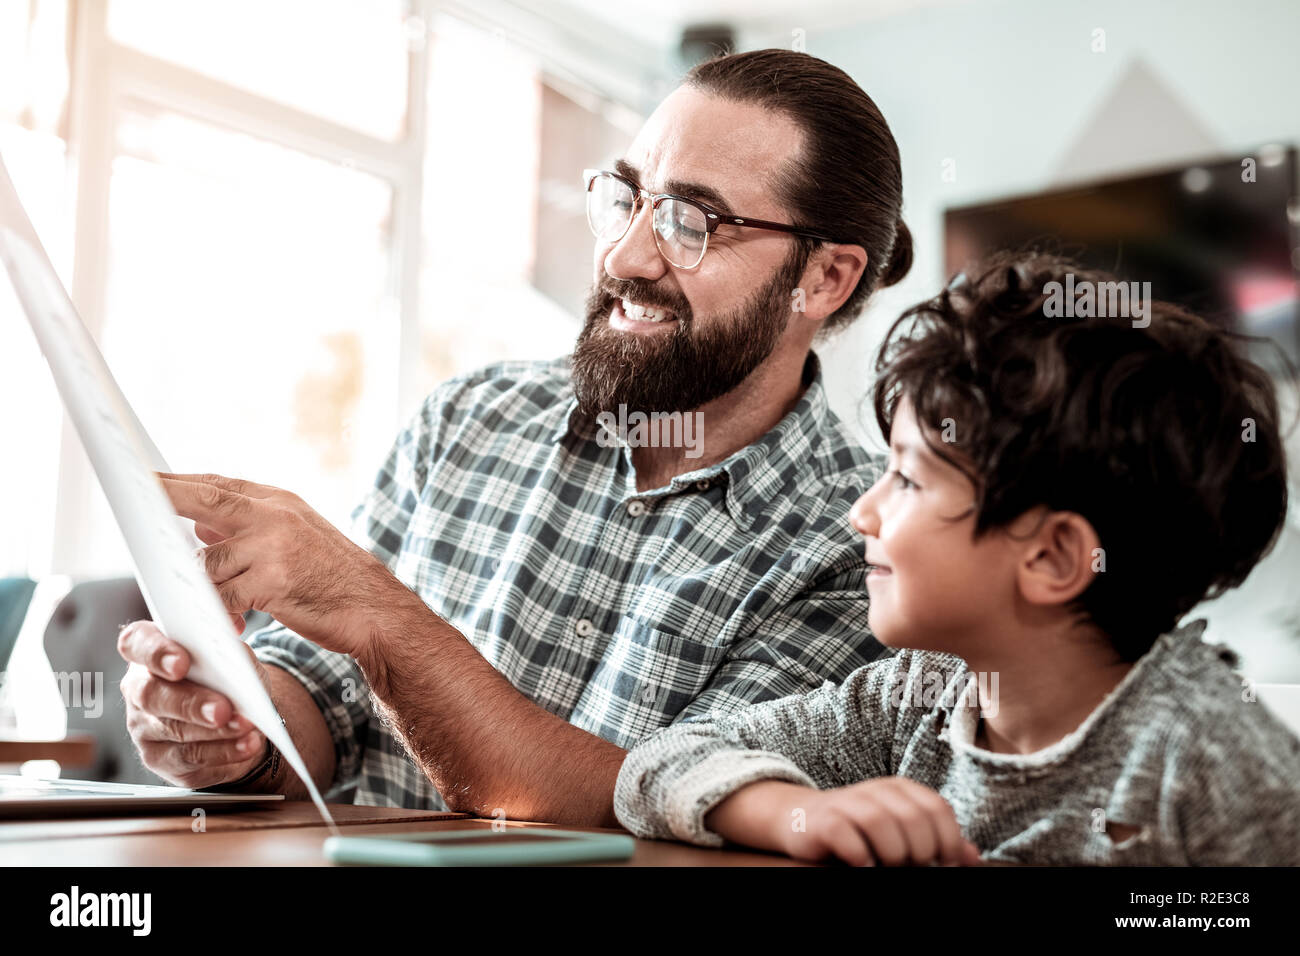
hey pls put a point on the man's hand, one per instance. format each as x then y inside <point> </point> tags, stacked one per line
<point>185,733</point>
<point>888,820</point>
<point>267,550</point>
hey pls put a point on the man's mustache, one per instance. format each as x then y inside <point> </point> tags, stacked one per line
<point>649,299</point>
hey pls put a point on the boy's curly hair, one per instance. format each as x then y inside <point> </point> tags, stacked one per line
<point>1165,438</point>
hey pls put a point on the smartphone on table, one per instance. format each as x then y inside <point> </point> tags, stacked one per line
<point>512,846</point>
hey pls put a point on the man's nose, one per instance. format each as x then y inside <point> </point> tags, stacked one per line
<point>636,255</point>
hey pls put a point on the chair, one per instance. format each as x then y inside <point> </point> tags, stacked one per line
<point>15,596</point>
<point>81,644</point>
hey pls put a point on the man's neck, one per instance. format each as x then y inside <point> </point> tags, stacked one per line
<point>1047,685</point>
<point>727,424</point>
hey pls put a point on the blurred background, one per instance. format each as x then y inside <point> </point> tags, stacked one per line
<point>285,221</point>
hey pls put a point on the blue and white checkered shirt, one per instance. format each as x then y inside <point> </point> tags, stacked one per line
<point>620,611</point>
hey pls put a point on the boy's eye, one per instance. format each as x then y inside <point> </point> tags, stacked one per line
<point>906,482</point>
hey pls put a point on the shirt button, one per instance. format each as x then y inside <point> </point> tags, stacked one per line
<point>636,508</point>
<point>584,628</point>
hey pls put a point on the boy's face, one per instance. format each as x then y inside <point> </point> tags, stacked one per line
<point>932,585</point>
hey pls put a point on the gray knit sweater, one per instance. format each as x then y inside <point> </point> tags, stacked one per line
<point>1177,749</point>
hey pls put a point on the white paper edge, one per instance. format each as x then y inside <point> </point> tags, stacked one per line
<point>178,592</point>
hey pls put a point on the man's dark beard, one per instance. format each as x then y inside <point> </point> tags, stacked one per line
<point>685,368</point>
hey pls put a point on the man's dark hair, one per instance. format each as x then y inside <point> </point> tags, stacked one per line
<point>847,183</point>
<point>1165,438</point>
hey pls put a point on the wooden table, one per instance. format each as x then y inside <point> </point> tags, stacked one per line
<point>287,835</point>
<point>75,750</point>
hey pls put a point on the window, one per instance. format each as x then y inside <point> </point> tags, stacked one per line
<point>341,60</point>
<point>247,317</point>
<point>481,200</point>
<point>284,222</point>
<point>33,96</point>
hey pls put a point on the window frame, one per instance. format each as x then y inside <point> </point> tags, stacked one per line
<point>107,77</point>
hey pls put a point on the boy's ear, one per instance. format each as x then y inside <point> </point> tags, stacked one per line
<point>1060,559</point>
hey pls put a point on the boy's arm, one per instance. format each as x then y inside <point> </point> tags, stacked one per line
<point>826,738</point>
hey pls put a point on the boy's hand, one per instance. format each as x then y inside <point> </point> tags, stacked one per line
<point>888,820</point>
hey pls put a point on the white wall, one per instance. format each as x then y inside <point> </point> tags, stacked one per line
<point>1005,89</point>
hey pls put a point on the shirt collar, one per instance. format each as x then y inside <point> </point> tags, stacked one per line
<point>758,472</point>
<point>563,426</point>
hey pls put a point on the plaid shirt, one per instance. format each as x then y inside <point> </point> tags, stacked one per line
<point>620,611</point>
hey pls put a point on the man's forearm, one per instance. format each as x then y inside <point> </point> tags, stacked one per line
<point>483,745</point>
<point>310,735</point>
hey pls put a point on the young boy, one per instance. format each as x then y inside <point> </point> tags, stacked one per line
<point>1061,492</point>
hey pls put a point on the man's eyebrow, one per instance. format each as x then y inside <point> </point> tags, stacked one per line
<point>679,187</point>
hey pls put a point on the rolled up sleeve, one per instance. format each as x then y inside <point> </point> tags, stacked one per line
<point>829,737</point>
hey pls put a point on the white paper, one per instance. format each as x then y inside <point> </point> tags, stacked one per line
<point>180,596</point>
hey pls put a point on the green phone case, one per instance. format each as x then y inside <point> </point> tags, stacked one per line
<point>448,848</point>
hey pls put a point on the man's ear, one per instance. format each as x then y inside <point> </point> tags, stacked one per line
<point>1060,559</point>
<point>833,274</point>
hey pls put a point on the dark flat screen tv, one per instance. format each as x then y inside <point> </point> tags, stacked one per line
<point>1204,235</point>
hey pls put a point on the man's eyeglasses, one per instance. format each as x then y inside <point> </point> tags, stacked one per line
<point>681,226</point>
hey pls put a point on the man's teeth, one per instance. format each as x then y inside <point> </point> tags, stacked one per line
<point>642,314</point>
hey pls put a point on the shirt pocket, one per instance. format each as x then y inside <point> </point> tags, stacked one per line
<point>644,679</point>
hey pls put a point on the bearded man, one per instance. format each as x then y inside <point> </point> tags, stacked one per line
<point>525,592</point>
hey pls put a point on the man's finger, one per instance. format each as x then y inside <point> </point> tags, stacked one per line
<point>226,559</point>
<point>145,726</point>
<point>235,595</point>
<point>207,535</point>
<point>180,700</point>
<point>141,642</point>
<point>224,511</point>
<point>197,755</point>
<point>238,485</point>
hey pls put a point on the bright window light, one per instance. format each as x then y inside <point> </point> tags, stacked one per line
<point>344,60</point>
<point>248,315</point>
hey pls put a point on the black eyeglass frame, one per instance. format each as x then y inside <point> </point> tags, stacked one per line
<point>713,218</point>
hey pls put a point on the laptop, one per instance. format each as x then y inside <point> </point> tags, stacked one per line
<point>27,796</point>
